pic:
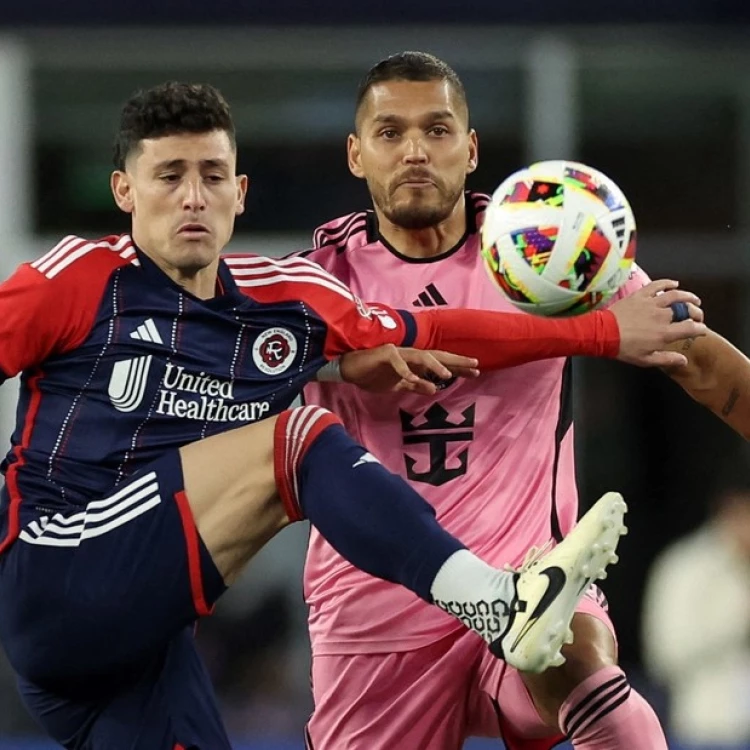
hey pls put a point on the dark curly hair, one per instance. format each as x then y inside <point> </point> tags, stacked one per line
<point>170,109</point>
<point>410,66</point>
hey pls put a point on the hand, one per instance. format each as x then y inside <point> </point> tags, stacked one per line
<point>646,327</point>
<point>389,368</point>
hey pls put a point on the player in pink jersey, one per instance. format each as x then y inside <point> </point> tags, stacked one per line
<point>494,456</point>
<point>155,451</point>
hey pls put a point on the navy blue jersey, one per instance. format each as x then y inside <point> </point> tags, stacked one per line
<point>120,364</point>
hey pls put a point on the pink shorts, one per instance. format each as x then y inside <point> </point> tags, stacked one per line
<point>432,698</point>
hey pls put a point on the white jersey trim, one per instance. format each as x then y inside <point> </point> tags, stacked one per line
<point>72,248</point>
<point>99,518</point>
<point>257,271</point>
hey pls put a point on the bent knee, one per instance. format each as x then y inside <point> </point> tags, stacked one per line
<point>593,648</point>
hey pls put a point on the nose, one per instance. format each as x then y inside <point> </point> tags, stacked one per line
<point>194,198</point>
<point>415,151</point>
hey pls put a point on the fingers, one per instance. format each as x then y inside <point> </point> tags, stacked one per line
<point>454,361</point>
<point>677,295</point>
<point>401,367</point>
<point>659,286</point>
<point>442,365</point>
<point>686,329</point>
<point>665,359</point>
<point>404,360</point>
<point>422,387</point>
<point>465,372</point>
<point>695,312</point>
<point>430,363</point>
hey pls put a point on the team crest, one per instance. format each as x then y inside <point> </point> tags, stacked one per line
<point>274,351</point>
<point>383,317</point>
<point>362,308</point>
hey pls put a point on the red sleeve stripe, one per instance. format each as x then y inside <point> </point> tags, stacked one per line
<point>249,266</point>
<point>11,479</point>
<point>73,248</point>
<point>265,272</point>
<point>248,274</point>
<point>59,251</point>
<point>285,278</point>
<point>64,241</point>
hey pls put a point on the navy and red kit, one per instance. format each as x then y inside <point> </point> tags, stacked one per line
<point>102,571</point>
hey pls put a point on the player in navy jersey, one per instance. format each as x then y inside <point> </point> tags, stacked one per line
<point>155,451</point>
<point>494,456</point>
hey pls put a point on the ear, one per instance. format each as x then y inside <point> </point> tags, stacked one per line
<point>243,182</point>
<point>354,155</point>
<point>122,191</point>
<point>473,152</point>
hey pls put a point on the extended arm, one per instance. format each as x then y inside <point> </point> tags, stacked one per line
<point>637,329</point>
<point>717,375</point>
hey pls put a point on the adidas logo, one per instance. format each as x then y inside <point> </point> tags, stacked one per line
<point>619,227</point>
<point>430,297</point>
<point>147,331</point>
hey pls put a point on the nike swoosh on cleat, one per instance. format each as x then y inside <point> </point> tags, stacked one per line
<point>557,580</point>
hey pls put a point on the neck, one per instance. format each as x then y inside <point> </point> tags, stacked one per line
<point>200,282</point>
<point>430,242</point>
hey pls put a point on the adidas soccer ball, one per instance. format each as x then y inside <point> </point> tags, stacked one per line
<point>558,238</point>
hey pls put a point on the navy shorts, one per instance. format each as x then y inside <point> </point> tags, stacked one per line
<point>97,618</point>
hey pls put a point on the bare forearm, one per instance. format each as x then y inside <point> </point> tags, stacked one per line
<point>718,377</point>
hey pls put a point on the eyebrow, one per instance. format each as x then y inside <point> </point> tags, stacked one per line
<point>180,163</point>
<point>442,114</point>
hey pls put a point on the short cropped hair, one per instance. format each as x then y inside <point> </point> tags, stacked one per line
<point>410,66</point>
<point>170,108</point>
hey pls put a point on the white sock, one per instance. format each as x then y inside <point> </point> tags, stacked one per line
<point>476,593</point>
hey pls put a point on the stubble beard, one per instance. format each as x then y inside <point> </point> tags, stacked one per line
<point>419,214</point>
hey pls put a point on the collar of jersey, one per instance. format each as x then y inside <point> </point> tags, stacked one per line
<point>228,297</point>
<point>373,234</point>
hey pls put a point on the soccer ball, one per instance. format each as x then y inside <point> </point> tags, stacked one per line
<point>558,238</point>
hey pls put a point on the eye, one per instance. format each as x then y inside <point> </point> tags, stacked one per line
<point>389,134</point>
<point>215,179</point>
<point>439,130</point>
<point>169,178</point>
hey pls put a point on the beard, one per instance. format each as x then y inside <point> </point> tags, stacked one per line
<point>419,211</point>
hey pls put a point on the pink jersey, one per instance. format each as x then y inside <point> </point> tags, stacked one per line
<point>494,456</point>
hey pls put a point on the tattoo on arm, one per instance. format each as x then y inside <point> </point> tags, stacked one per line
<point>731,401</point>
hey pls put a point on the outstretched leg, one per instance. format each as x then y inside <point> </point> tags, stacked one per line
<point>246,484</point>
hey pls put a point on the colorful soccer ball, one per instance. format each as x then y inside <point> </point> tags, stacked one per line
<point>558,238</point>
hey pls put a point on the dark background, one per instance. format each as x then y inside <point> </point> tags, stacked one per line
<point>662,105</point>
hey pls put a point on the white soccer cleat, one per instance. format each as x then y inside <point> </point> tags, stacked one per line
<point>551,583</point>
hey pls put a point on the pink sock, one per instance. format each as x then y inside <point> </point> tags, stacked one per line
<point>605,713</point>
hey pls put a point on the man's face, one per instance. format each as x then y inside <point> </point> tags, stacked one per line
<point>414,149</point>
<point>183,195</point>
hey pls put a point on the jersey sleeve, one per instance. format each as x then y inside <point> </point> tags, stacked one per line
<point>350,323</point>
<point>42,315</point>
<point>362,325</point>
<point>637,279</point>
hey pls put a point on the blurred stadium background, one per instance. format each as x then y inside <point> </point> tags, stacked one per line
<point>656,94</point>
